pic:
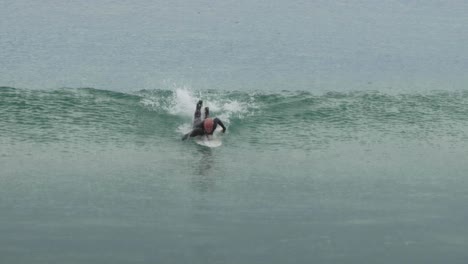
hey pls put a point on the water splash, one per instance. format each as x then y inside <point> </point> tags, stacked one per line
<point>181,102</point>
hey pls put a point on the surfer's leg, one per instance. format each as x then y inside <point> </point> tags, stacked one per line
<point>207,112</point>
<point>197,115</point>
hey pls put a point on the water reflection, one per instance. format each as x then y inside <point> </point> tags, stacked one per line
<point>204,179</point>
<point>206,160</point>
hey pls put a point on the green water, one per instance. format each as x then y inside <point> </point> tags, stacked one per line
<point>95,176</point>
<point>346,142</point>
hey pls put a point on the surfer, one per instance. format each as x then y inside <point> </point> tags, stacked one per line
<point>203,127</point>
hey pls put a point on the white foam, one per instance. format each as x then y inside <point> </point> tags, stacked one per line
<point>230,109</point>
<point>183,101</point>
<point>184,128</point>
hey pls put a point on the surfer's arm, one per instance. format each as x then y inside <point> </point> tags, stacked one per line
<point>193,133</point>
<point>217,121</point>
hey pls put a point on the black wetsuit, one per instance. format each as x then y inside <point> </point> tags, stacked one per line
<point>198,124</point>
<point>199,129</point>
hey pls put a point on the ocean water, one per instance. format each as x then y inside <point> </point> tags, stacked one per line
<point>99,176</point>
<point>346,141</point>
<point>234,44</point>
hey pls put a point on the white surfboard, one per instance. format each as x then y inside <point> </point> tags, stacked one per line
<point>209,141</point>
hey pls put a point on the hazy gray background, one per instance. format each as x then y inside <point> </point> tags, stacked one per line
<point>293,45</point>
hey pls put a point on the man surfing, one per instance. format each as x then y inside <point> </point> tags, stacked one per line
<point>203,127</point>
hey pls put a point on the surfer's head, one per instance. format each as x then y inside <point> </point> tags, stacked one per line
<point>208,125</point>
<point>207,112</point>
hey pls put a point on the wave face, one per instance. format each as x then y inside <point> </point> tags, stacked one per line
<point>276,120</point>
